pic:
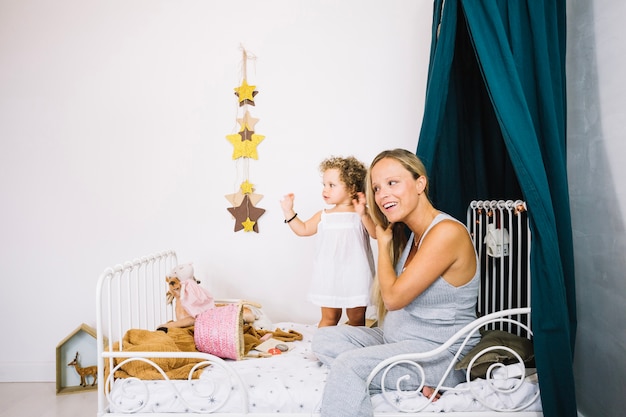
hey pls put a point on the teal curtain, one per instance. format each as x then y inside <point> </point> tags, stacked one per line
<point>494,128</point>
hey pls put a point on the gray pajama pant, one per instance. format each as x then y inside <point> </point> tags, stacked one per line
<point>352,353</point>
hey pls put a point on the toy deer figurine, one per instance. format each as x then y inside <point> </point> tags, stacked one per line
<point>84,372</point>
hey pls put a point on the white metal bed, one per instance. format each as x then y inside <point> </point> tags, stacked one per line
<point>132,296</point>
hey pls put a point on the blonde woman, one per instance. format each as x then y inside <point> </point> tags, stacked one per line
<point>427,277</point>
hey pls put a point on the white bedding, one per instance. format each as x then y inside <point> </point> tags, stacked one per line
<point>292,382</point>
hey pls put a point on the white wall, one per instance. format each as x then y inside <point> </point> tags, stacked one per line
<point>113,117</point>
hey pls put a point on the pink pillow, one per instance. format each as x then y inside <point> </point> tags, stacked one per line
<point>219,331</point>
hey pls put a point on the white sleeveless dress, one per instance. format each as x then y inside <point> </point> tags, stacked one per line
<point>343,269</point>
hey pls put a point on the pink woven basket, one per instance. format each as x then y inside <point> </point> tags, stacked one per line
<point>219,331</point>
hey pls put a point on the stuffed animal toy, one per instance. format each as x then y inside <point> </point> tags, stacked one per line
<point>190,298</point>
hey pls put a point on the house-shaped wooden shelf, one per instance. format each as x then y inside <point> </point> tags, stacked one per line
<point>81,341</point>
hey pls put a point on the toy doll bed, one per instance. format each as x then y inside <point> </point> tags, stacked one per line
<point>141,370</point>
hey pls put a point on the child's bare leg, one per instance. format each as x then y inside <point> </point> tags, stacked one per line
<point>356,316</point>
<point>330,316</point>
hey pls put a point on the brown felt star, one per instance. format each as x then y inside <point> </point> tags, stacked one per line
<point>246,134</point>
<point>246,213</point>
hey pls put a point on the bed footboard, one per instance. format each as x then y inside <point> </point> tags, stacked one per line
<point>132,395</point>
<point>502,381</point>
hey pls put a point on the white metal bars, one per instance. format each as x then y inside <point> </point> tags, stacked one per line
<point>502,239</point>
<point>129,296</point>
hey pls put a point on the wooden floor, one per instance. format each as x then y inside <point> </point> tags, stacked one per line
<point>39,399</point>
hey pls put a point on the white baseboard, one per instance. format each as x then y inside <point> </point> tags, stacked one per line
<point>28,372</point>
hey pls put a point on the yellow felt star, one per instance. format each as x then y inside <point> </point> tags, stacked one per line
<point>248,225</point>
<point>245,148</point>
<point>247,121</point>
<point>246,187</point>
<point>245,92</point>
<point>235,137</point>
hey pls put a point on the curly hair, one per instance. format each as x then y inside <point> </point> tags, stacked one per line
<point>352,172</point>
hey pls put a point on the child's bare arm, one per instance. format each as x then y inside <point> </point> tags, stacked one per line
<point>304,228</point>
<point>299,227</point>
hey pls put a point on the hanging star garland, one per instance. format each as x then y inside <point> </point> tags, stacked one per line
<point>245,144</point>
<point>246,215</point>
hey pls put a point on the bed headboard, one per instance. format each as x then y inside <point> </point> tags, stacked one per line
<point>502,239</point>
<point>132,295</point>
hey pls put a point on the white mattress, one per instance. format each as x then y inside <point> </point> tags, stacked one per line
<point>292,382</point>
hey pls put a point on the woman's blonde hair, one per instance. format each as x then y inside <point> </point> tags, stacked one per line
<point>400,231</point>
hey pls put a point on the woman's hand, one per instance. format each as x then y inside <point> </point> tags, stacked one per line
<point>384,235</point>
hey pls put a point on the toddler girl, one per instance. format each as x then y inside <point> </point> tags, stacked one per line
<point>344,265</point>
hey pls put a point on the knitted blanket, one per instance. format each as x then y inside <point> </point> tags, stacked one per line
<point>177,340</point>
